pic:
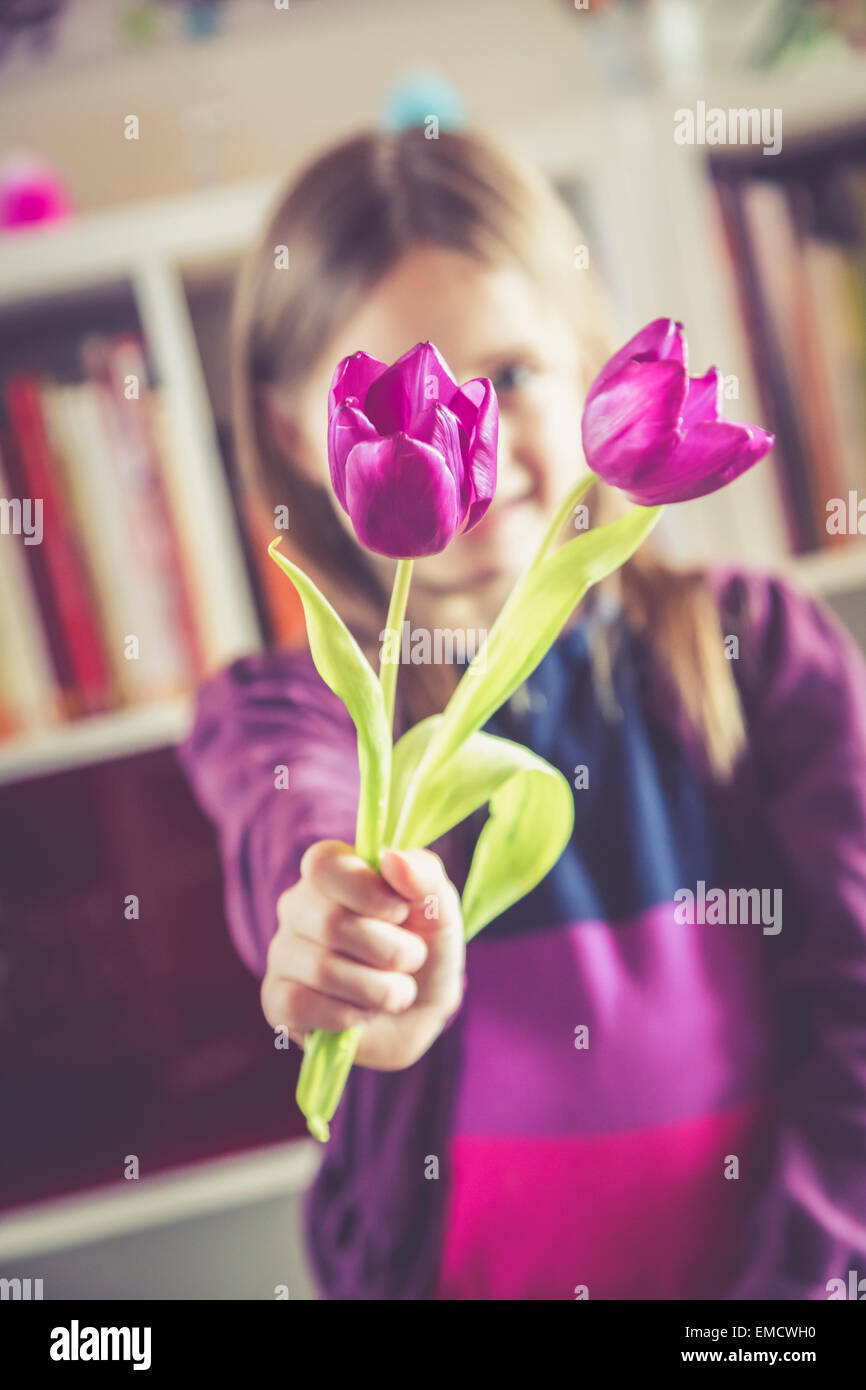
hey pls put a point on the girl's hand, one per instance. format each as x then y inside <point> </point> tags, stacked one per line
<point>385,951</point>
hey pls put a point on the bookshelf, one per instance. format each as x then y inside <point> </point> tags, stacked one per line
<point>657,217</point>
<point>95,739</point>
<point>132,268</point>
<point>163,265</point>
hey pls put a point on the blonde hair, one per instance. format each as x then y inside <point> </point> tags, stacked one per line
<point>348,219</point>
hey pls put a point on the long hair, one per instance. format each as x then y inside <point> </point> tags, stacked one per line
<point>347,221</point>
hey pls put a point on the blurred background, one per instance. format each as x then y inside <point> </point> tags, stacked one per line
<point>151,1147</point>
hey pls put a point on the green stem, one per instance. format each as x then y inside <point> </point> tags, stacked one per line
<point>562,515</point>
<point>328,1057</point>
<point>325,1068</point>
<point>393,634</point>
<point>440,744</point>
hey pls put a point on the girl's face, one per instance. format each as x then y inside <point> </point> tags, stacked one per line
<point>486,322</point>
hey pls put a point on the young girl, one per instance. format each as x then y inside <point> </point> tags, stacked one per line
<point>600,1099</point>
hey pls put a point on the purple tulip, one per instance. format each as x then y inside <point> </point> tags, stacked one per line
<point>412,454</point>
<point>657,433</point>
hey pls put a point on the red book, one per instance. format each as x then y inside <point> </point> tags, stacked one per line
<point>59,570</point>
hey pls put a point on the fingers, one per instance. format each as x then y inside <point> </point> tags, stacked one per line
<point>355,948</point>
<point>365,939</point>
<point>336,872</point>
<point>419,876</point>
<point>435,916</point>
<point>385,991</point>
<point>300,1009</point>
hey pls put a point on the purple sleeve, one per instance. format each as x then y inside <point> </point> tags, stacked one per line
<point>260,714</point>
<point>806,712</point>
<point>272,760</point>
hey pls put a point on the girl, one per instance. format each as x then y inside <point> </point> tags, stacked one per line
<point>605,1097</point>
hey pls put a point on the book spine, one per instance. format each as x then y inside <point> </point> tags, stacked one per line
<point>66,590</point>
<point>163,620</point>
<point>29,691</point>
<point>127,360</point>
<point>766,339</point>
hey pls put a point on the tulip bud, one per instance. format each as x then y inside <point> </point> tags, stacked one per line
<point>657,433</point>
<point>412,454</point>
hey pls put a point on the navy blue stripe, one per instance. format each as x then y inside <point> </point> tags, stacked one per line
<point>643,828</point>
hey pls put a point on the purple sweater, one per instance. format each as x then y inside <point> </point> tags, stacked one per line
<point>375,1225</point>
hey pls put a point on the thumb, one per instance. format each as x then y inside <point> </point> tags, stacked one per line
<point>419,876</point>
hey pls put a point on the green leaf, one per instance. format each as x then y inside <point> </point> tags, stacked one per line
<point>528,626</point>
<point>530,822</point>
<point>343,666</point>
<point>525,630</point>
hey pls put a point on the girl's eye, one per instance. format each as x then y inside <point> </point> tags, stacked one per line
<point>509,378</point>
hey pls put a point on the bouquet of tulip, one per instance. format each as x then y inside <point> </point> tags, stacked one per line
<point>413,463</point>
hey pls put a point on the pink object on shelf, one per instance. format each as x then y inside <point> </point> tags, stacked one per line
<point>31,192</point>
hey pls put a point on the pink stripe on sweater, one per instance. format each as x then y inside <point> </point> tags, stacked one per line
<point>647,1214</point>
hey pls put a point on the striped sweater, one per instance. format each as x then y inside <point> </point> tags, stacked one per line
<point>656,1084</point>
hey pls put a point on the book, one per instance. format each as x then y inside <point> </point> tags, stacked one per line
<point>839,356</point>
<point>91,478</point>
<point>29,699</point>
<point>763,251</point>
<point>813,316</point>
<point>171,462</point>
<point>59,572</point>
<point>158,613</point>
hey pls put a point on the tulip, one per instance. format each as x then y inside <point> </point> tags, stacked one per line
<point>657,433</point>
<point>412,454</point>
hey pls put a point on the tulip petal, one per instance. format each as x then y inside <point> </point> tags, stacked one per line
<point>704,401</point>
<point>660,341</point>
<point>475,402</point>
<point>409,386</point>
<point>347,426</point>
<point>712,455</point>
<point>354,376</point>
<point>401,497</point>
<point>633,426</point>
<point>440,428</point>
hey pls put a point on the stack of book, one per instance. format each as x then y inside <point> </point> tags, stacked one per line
<point>797,241</point>
<point>96,604</point>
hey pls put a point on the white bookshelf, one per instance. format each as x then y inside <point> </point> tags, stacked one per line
<point>151,247</point>
<point>831,572</point>
<point>94,739</point>
<point>620,149</point>
<point>656,217</point>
